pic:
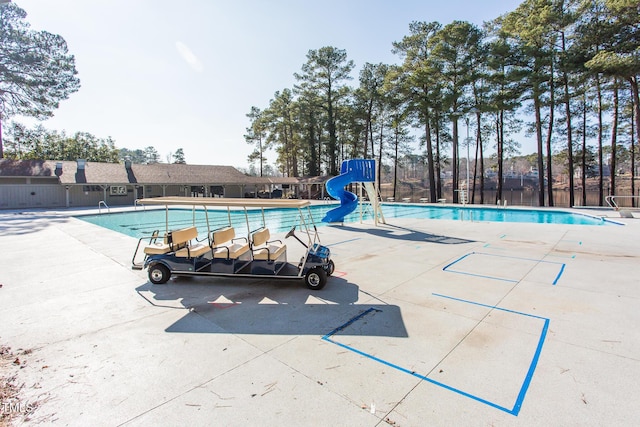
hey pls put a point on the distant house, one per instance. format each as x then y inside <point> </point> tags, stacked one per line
<point>51,184</point>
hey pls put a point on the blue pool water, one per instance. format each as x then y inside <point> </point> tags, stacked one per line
<point>143,222</point>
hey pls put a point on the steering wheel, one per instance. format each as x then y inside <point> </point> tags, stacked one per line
<point>291,232</point>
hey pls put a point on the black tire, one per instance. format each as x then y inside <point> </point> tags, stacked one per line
<point>316,278</point>
<point>330,268</point>
<point>159,274</point>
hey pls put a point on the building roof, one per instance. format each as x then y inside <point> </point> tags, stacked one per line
<point>72,172</point>
<point>25,168</point>
<point>161,173</point>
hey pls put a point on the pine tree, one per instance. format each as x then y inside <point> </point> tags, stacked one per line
<point>36,70</point>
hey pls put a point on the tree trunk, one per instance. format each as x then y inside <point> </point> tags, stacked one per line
<point>475,172</point>
<point>432,170</point>
<point>584,150</point>
<point>636,113</point>
<point>479,139</point>
<point>552,108</point>
<point>367,128</point>
<point>437,160</point>
<point>536,105</point>
<point>633,159</point>
<point>569,140</point>
<point>600,137</point>
<point>454,159</point>
<point>395,164</point>
<point>313,154</point>
<point>614,137</point>
<point>1,144</point>
<point>261,151</point>
<point>333,140</point>
<point>500,155</point>
<point>380,155</point>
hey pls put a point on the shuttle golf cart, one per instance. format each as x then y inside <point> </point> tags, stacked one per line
<point>232,250</point>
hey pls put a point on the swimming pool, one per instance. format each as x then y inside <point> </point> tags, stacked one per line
<point>143,222</point>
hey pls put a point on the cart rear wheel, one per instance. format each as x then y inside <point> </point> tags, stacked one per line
<point>159,274</point>
<point>316,278</point>
<point>330,268</point>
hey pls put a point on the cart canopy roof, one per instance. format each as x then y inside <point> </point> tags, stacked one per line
<point>225,202</point>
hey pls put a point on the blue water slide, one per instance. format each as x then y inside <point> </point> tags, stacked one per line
<point>355,170</point>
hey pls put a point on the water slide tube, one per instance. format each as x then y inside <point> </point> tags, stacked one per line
<point>355,170</point>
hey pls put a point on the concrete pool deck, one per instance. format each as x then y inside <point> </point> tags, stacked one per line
<point>425,322</point>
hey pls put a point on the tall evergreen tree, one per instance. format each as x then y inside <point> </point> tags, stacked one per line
<point>369,93</point>
<point>151,155</point>
<point>178,157</point>
<point>565,16</point>
<point>455,46</point>
<point>39,143</point>
<point>503,93</point>
<point>36,70</point>
<point>256,135</point>
<point>528,27</point>
<point>619,56</point>
<point>279,121</point>
<point>419,79</point>
<point>325,72</point>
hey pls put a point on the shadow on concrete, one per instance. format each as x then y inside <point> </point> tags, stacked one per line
<point>389,231</point>
<point>272,307</point>
<point>15,224</point>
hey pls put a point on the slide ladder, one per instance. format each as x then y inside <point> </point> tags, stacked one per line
<point>376,199</point>
<point>351,171</point>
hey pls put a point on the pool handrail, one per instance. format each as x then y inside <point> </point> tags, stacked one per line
<point>102,202</point>
<point>611,201</point>
<point>136,202</point>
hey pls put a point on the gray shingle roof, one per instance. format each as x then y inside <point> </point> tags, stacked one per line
<point>23,168</point>
<point>186,174</point>
<point>117,173</point>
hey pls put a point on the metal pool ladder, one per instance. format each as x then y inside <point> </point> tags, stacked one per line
<point>100,203</point>
<point>625,212</point>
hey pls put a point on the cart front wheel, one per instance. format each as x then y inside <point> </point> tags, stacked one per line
<point>316,278</point>
<point>159,274</point>
<point>330,268</point>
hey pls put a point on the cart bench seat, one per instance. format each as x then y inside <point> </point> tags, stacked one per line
<point>182,238</point>
<point>157,248</point>
<point>192,251</point>
<point>225,244</point>
<point>264,249</point>
<point>270,252</point>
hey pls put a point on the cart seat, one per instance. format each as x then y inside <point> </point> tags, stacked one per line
<point>226,245</point>
<point>157,248</point>
<point>264,249</point>
<point>182,238</point>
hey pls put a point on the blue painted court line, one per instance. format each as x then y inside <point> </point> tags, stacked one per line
<point>555,281</point>
<point>515,410</point>
<point>536,355</point>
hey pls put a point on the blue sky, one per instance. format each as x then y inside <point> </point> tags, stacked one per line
<point>184,74</point>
